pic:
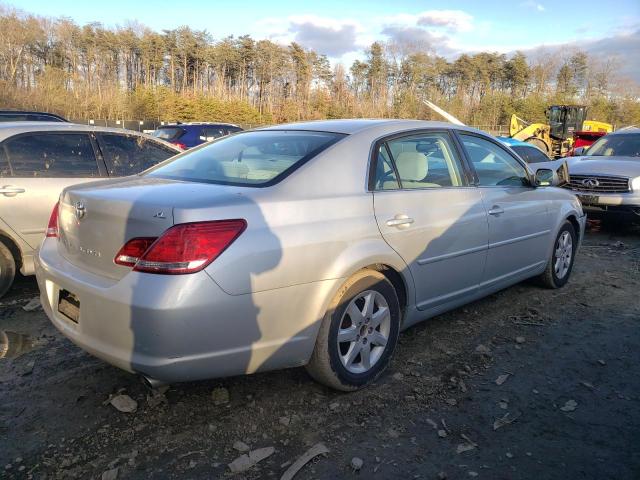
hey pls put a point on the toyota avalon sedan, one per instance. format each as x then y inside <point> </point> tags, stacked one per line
<point>304,244</point>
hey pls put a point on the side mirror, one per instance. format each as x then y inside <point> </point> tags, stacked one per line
<point>544,177</point>
<point>554,173</point>
<point>580,151</point>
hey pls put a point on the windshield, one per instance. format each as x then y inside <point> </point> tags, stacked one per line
<point>249,159</point>
<point>168,133</point>
<point>620,145</point>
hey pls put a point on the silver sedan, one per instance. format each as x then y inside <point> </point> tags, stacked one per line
<point>305,244</point>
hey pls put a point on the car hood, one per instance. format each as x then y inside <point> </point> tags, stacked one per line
<point>618,166</point>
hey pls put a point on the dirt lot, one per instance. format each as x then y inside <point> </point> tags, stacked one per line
<point>528,383</point>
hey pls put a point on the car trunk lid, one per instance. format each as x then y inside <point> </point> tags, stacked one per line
<point>96,220</point>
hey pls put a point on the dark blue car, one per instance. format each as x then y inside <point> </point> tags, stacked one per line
<point>187,135</point>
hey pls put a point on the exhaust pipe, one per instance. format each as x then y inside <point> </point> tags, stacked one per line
<point>152,383</point>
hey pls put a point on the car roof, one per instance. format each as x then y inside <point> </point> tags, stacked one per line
<point>9,129</point>
<point>357,125</point>
<point>625,131</point>
<point>30,112</point>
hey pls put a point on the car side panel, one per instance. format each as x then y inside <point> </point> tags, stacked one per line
<point>295,241</point>
<point>518,237</point>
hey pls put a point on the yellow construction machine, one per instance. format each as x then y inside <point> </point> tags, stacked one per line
<point>556,138</point>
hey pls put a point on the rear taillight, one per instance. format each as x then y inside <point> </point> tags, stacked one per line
<point>52,227</point>
<point>183,248</point>
<point>133,250</point>
<point>180,145</point>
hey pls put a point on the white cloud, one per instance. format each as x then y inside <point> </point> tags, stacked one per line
<point>533,5</point>
<point>452,20</point>
<point>329,36</point>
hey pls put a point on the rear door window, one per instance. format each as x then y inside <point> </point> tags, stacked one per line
<point>386,178</point>
<point>210,133</point>
<point>51,155</point>
<point>426,160</point>
<point>131,154</point>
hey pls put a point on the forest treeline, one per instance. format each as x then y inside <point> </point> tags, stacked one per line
<point>133,72</point>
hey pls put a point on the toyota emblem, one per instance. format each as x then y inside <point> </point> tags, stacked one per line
<point>80,210</point>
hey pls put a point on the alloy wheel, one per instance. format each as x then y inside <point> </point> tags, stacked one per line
<point>364,331</point>
<point>563,255</point>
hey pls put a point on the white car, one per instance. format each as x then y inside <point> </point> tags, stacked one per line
<point>39,159</point>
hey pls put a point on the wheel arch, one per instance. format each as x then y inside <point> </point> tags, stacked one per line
<point>576,225</point>
<point>379,256</point>
<point>396,279</point>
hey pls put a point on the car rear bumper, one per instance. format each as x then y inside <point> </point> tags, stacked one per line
<point>181,327</point>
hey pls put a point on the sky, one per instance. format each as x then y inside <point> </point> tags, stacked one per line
<point>343,29</point>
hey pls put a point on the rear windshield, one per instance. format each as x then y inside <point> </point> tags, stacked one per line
<point>256,158</point>
<point>168,134</point>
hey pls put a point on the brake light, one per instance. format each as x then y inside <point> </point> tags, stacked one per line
<point>52,227</point>
<point>131,252</point>
<point>187,247</point>
<point>180,145</point>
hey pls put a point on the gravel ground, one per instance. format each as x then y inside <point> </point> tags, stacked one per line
<point>527,383</point>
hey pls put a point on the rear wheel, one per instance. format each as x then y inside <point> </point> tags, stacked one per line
<point>563,254</point>
<point>7,269</point>
<point>358,333</point>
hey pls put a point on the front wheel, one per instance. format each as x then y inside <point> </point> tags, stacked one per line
<point>563,255</point>
<point>358,333</point>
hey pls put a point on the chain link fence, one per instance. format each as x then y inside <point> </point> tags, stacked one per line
<point>147,126</point>
<point>151,125</point>
<point>495,130</point>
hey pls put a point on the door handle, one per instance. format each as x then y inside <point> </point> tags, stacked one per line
<point>496,210</point>
<point>11,191</point>
<point>400,221</point>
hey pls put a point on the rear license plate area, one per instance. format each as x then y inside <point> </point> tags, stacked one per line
<point>69,305</point>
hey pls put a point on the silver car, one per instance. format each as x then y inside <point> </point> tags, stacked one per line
<point>39,159</point>
<point>305,244</point>
<point>606,176</point>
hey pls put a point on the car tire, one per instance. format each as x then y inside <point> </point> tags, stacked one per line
<point>560,265</point>
<point>365,315</point>
<point>7,269</point>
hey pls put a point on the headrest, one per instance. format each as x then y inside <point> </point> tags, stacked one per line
<point>412,166</point>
